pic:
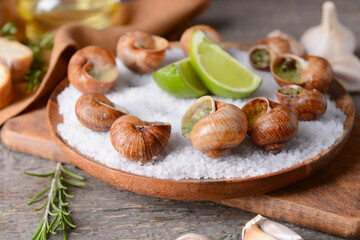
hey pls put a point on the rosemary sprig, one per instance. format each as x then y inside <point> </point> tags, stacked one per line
<point>8,30</point>
<point>55,214</point>
<point>38,69</point>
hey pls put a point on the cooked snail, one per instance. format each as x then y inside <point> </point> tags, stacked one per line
<point>210,32</point>
<point>213,127</point>
<point>140,51</point>
<point>310,72</point>
<point>264,51</point>
<point>270,124</point>
<point>138,140</point>
<point>306,104</point>
<point>96,112</point>
<point>295,47</point>
<point>93,69</point>
<point>6,91</point>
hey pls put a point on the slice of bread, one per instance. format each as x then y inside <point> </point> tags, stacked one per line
<point>16,56</point>
<point>6,91</point>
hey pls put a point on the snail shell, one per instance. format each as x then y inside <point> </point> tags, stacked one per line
<point>138,140</point>
<point>93,69</point>
<point>141,51</point>
<point>270,124</point>
<point>214,128</point>
<point>264,51</point>
<point>96,112</point>
<point>306,104</point>
<point>310,72</point>
<point>209,32</point>
<point>295,46</point>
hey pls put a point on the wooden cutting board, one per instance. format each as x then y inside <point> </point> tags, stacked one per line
<point>328,201</point>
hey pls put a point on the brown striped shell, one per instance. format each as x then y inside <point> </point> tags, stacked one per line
<point>93,69</point>
<point>316,72</point>
<point>215,133</point>
<point>270,124</point>
<point>138,140</point>
<point>96,112</point>
<point>306,104</point>
<point>264,51</point>
<point>140,51</point>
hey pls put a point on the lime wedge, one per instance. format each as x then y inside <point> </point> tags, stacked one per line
<point>220,73</point>
<point>180,80</point>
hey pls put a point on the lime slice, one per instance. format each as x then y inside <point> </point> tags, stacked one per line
<point>180,80</point>
<point>220,73</point>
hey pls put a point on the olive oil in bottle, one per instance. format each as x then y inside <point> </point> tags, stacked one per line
<point>42,16</point>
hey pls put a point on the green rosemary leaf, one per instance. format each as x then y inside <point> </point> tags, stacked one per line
<point>8,30</point>
<point>62,203</point>
<point>66,194</point>
<point>57,225</point>
<point>44,235</point>
<point>52,223</point>
<point>53,213</point>
<point>71,174</point>
<point>64,230</point>
<point>60,183</point>
<point>40,175</point>
<point>55,207</point>
<point>38,209</point>
<point>36,234</point>
<point>69,222</point>
<point>64,212</point>
<point>73,183</point>
<point>37,196</point>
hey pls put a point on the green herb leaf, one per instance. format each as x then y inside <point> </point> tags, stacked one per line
<point>56,193</point>
<point>73,183</point>
<point>71,174</point>
<point>37,196</point>
<point>8,30</point>
<point>40,175</point>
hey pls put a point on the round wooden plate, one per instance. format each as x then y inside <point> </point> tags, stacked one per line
<point>209,189</point>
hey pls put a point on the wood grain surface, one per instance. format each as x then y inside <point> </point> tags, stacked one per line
<point>104,212</point>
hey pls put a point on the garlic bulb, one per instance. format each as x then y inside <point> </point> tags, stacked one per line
<point>330,38</point>
<point>336,43</point>
<point>264,229</point>
<point>347,69</point>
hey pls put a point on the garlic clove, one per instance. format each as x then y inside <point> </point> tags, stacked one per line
<point>330,38</point>
<point>347,70</point>
<point>296,47</point>
<point>6,90</point>
<point>264,229</point>
<point>140,51</point>
<point>193,236</point>
<point>210,32</point>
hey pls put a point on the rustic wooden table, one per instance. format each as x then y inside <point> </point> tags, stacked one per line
<point>103,212</point>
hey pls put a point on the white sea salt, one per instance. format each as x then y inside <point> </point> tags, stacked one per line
<point>140,95</point>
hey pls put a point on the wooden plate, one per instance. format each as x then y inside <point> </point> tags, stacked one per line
<point>210,189</point>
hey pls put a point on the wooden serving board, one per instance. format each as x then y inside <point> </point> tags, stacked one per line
<point>328,201</point>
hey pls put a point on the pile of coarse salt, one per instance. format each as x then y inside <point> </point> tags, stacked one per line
<point>140,95</point>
